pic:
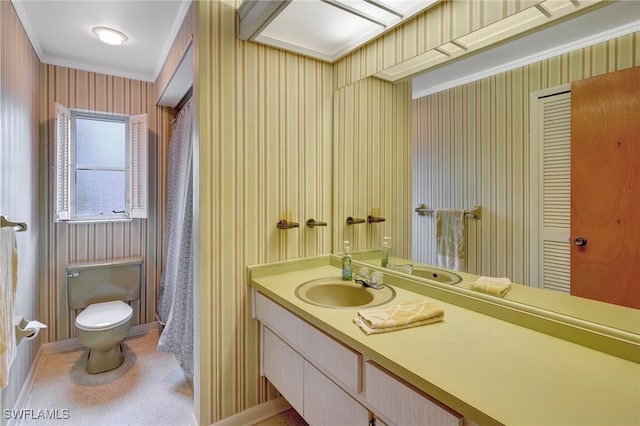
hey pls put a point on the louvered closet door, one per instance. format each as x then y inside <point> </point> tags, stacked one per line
<point>555,187</point>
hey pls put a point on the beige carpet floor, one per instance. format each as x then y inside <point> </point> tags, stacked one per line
<point>148,389</point>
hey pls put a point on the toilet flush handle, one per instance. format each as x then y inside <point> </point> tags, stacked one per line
<point>73,274</point>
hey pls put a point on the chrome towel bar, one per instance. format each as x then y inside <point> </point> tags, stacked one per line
<point>476,212</point>
<point>17,226</point>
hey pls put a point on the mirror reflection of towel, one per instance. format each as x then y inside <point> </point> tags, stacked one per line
<point>490,285</point>
<point>450,238</point>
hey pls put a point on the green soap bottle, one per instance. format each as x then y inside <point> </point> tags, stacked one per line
<point>386,249</point>
<point>346,262</point>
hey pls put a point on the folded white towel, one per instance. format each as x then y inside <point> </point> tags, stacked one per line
<point>491,285</point>
<point>8,281</point>
<point>397,317</point>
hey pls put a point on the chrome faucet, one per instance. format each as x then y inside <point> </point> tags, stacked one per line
<point>368,279</point>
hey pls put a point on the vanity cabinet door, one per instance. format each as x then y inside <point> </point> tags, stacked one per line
<point>403,405</point>
<point>326,404</point>
<point>338,360</point>
<point>284,368</point>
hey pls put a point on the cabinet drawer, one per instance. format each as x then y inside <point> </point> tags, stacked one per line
<point>326,404</point>
<point>403,405</point>
<point>336,359</point>
<point>284,368</point>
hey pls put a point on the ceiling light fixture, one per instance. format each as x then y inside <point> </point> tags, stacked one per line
<point>109,35</point>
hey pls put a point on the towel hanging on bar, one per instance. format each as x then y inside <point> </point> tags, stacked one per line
<point>450,239</point>
<point>8,283</point>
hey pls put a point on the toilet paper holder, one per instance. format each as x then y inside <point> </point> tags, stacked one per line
<point>27,330</point>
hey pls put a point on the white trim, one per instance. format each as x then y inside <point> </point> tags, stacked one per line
<point>550,53</point>
<point>175,28</point>
<point>181,79</point>
<point>74,343</point>
<point>256,413</point>
<point>534,191</point>
<point>97,219</point>
<point>99,69</point>
<point>28,28</point>
<point>301,50</point>
<point>28,385</point>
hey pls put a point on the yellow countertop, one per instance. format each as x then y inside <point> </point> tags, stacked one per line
<point>489,370</point>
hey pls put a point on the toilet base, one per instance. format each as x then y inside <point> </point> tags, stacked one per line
<point>100,361</point>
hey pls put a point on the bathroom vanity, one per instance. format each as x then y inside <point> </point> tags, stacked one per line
<point>471,368</point>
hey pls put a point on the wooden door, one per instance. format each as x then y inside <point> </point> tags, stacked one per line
<point>605,187</point>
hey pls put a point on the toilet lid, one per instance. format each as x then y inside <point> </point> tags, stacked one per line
<point>101,316</point>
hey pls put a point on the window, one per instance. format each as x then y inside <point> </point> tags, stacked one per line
<point>101,166</point>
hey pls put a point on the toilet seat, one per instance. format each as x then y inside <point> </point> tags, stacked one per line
<point>104,315</point>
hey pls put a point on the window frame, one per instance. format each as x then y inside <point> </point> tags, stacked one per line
<point>135,169</point>
<point>73,176</point>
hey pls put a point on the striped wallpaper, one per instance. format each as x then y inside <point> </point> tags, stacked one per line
<point>266,129</point>
<point>471,146</point>
<point>371,161</point>
<point>19,179</point>
<point>442,22</point>
<point>67,243</point>
<point>265,137</point>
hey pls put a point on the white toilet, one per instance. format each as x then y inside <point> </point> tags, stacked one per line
<point>101,290</point>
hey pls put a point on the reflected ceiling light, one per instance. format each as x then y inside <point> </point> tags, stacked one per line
<point>323,29</point>
<point>109,35</point>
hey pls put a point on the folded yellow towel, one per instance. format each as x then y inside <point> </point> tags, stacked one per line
<point>493,286</point>
<point>413,314</point>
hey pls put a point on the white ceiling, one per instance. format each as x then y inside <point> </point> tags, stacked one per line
<point>604,23</point>
<point>60,32</point>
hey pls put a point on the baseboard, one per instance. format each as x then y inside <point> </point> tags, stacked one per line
<point>71,344</point>
<point>29,382</point>
<point>256,414</point>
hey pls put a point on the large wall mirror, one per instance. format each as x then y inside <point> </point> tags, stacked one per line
<point>468,141</point>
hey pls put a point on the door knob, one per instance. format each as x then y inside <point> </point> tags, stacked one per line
<point>580,241</point>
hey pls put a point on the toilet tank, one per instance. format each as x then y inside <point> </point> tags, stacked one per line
<point>97,281</point>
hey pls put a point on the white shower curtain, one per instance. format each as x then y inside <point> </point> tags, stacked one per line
<point>175,297</point>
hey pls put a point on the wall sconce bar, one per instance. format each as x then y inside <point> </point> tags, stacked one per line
<point>312,223</point>
<point>283,224</point>
<point>354,221</point>
<point>374,219</point>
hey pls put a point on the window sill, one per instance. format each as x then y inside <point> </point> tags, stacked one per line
<point>88,221</point>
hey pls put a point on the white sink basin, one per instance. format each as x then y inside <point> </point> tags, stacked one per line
<point>436,274</point>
